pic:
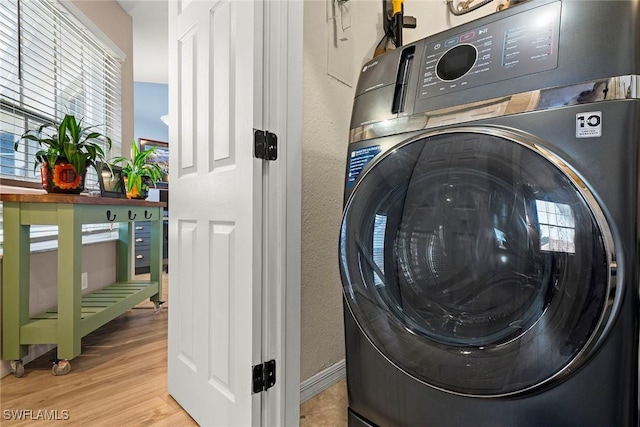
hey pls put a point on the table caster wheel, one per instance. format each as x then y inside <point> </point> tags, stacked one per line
<point>17,368</point>
<point>158,306</point>
<point>61,367</point>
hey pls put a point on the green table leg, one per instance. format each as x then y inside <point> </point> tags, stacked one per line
<point>156,255</point>
<point>124,250</point>
<point>69,282</point>
<point>15,282</point>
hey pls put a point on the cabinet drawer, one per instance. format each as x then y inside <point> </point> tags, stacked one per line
<point>142,227</point>
<point>144,235</point>
<point>142,257</point>
<point>142,243</point>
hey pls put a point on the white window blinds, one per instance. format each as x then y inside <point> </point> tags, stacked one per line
<point>50,65</point>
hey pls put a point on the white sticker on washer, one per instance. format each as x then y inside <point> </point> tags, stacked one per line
<point>589,125</point>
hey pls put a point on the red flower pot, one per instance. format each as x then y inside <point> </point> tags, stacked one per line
<point>62,177</point>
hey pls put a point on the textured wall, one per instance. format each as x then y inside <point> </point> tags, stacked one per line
<point>327,113</point>
<point>324,149</point>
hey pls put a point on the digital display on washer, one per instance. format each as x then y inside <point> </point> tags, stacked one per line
<point>518,45</point>
<point>456,62</point>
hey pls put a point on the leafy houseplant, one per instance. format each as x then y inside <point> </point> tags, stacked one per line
<point>138,172</point>
<point>66,151</point>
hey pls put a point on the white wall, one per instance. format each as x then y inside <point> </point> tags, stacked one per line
<point>327,111</point>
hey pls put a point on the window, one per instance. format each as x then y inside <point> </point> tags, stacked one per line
<point>51,65</point>
<point>379,230</point>
<point>557,227</point>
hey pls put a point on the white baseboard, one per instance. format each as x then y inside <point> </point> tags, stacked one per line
<point>35,351</point>
<point>322,381</point>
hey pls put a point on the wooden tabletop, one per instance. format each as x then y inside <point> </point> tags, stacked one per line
<point>76,199</point>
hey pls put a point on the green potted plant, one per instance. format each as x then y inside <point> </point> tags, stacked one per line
<point>66,151</point>
<point>138,172</point>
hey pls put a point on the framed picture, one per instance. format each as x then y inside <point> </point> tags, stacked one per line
<point>111,181</point>
<point>160,156</point>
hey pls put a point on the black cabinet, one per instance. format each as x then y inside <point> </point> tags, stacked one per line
<point>142,238</point>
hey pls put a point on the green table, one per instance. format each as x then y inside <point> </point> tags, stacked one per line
<point>76,315</point>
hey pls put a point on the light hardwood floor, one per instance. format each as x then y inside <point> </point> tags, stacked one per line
<point>328,408</point>
<point>120,379</point>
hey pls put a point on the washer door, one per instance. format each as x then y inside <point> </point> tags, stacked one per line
<point>476,262</point>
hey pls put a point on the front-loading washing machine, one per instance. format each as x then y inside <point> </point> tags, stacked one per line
<point>489,243</point>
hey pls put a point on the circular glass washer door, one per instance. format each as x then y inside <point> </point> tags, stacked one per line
<point>476,262</point>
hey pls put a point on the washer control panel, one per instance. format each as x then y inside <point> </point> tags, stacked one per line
<point>518,45</point>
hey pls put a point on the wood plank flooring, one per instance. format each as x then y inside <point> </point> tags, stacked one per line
<point>328,408</point>
<point>120,379</point>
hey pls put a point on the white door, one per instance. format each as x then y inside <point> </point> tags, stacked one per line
<point>215,229</point>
